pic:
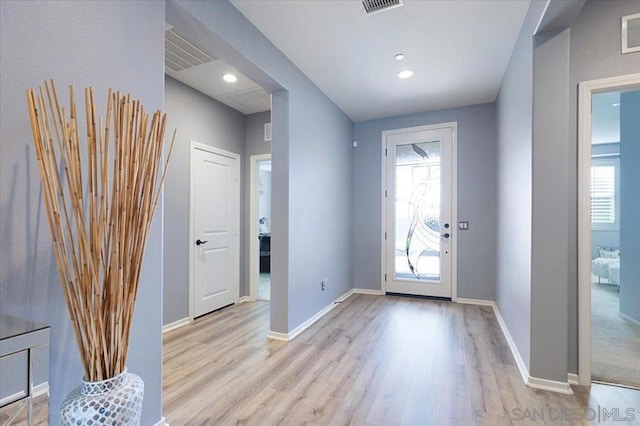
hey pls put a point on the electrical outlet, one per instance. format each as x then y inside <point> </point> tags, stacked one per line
<point>323,284</point>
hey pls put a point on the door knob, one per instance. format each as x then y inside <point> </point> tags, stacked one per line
<point>200,242</point>
<point>446,235</point>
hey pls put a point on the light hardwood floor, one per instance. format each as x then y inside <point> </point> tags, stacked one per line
<point>373,360</point>
<point>39,413</point>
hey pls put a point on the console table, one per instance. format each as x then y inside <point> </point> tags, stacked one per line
<point>18,340</point>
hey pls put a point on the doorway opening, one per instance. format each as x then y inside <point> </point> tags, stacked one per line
<point>260,227</point>
<point>609,278</point>
<point>214,103</point>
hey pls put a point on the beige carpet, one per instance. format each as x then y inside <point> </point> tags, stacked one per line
<point>615,341</point>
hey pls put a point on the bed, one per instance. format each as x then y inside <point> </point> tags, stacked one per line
<point>607,265</point>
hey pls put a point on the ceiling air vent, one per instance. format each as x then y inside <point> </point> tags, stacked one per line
<point>181,54</point>
<point>249,101</point>
<point>631,33</point>
<point>374,6</point>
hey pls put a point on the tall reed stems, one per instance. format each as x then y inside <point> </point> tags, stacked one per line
<point>100,197</point>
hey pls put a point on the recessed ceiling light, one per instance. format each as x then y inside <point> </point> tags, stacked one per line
<point>230,78</point>
<point>615,104</point>
<point>399,57</point>
<point>405,74</point>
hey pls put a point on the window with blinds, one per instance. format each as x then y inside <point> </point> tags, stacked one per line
<point>604,193</point>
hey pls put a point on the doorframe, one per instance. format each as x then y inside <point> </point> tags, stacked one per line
<point>585,91</point>
<point>254,232</point>
<point>453,125</point>
<point>213,150</point>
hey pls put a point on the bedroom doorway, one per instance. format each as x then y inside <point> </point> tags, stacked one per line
<point>609,278</point>
<point>260,232</point>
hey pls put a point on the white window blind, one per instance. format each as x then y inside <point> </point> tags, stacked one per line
<point>603,194</point>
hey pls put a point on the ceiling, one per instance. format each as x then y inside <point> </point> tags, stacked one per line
<point>200,68</point>
<point>458,50</point>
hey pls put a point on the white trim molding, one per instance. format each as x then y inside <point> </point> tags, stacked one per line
<point>522,367</point>
<point>549,385</point>
<point>274,335</point>
<point>585,91</point>
<point>572,378</point>
<point>176,324</point>
<point>532,382</point>
<point>41,389</point>
<point>479,302</point>
<point>367,291</point>
<point>243,299</point>
<point>37,391</point>
<point>162,422</point>
<point>628,318</point>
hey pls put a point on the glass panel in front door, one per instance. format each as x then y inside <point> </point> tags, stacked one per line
<point>417,211</point>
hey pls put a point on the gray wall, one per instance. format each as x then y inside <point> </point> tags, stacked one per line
<point>199,118</point>
<point>84,44</point>
<point>537,159</point>
<point>595,53</point>
<point>550,206</point>
<point>254,136</point>
<point>476,196</point>
<point>311,163</point>
<point>254,144</point>
<point>630,204</point>
<point>514,146</point>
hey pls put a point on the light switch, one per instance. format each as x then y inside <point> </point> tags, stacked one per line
<point>463,226</point>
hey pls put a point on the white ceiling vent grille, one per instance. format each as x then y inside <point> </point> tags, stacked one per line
<point>374,6</point>
<point>181,54</point>
<point>249,101</point>
<point>631,33</point>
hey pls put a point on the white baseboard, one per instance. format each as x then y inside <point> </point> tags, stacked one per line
<point>532,382</point>
<point>175,324</point>
<point>367,291</point>
<point>628,318</point>
<point>162,422</point>
<point>38,390</point>
<point>302,327</point>
<point>274,335</point>
<point>573,379</point>
<point>480,302</point>
<point>41,389</point>
<point>340,299</point>
<point>244,299</point>
<point>512,344</point>
<point>13,397</point>
<point>549,385</point>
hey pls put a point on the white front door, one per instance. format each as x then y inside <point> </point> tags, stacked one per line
<point>418,210</point>
<point>215,220</point>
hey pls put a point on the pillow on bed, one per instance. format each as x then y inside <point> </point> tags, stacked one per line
<point>608,253</point>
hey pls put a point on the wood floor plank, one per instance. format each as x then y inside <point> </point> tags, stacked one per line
<point>372,360</point>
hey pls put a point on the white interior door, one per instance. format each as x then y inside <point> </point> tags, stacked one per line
<point>418,214</point>
<point>215,221</point>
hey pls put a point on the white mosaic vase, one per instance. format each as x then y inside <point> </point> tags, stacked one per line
<point>115,402</point>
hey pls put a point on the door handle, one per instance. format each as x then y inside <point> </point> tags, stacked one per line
<point>199,242</point>
<point>446,235</point>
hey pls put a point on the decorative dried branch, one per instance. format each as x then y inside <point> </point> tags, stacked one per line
<point>99,241</point>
